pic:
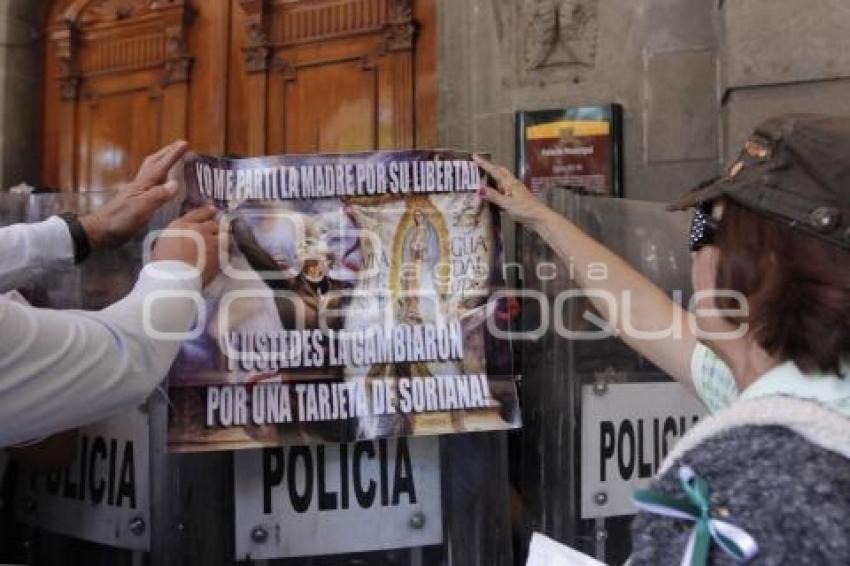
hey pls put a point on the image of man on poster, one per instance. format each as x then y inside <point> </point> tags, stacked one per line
<point>316,290</point>
<point>312,284</point>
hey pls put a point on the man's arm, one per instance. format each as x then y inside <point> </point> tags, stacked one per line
<point>31,251</point>
<point>64,369</point>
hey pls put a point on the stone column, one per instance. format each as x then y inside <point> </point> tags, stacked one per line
<point>21,76</point>
<point>782,56</point>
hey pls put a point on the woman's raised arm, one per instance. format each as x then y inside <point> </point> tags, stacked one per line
<point>651,310</point>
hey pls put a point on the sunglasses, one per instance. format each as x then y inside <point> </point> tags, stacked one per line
<point>703,227</point>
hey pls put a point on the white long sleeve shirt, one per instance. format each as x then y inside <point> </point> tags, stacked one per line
<point>64,369</point>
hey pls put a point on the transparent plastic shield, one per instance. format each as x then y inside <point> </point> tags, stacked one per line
<point>645,234</point>
<point>575,351</point>
<point>75,288</point>
<point>12,208</point>
<point>107,275</point>
<point>193,495</point>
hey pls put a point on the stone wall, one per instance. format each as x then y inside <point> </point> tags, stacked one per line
<point>782,56</point>
<point>657,58</point>
<point>693,76</point>
<point>21,59</point>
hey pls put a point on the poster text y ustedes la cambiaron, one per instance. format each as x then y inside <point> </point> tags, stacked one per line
<point>353,305</point>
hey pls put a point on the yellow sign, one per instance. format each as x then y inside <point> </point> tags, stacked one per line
<point>572,128</point>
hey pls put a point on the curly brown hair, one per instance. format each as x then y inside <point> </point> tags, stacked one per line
<point>797,285</point>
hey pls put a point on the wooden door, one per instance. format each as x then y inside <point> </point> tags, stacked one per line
<point>116,88</point>
<point>245,77</point>
<point>329,75</point>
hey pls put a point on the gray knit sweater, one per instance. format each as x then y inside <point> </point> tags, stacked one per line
<point>778,467</point>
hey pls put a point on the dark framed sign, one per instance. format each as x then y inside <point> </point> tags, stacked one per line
<point>577,148</point>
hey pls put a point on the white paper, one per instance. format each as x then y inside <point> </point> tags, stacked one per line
<point>547,552</point>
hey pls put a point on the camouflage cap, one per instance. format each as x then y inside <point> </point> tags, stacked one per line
<point>795,168</point>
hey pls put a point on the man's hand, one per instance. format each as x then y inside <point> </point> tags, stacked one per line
<point>176,247</point>
<point>132,208</point>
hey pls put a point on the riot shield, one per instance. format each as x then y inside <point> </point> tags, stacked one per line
<point>192,496</point>
<point>12,208</point>
<point>107,275</point>
<point>573,358</point>
<point>185,507</point>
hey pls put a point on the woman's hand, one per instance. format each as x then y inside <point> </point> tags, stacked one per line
<point>575,248</point>
<point>511,195</point>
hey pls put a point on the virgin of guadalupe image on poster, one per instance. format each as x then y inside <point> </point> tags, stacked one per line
<point>353,304</point>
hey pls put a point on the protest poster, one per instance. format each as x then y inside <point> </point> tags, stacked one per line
<point>354,304</point>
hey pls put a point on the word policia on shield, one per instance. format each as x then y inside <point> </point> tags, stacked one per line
<point>353,304</point>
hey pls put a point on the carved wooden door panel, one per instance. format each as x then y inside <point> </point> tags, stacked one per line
<point>122,86</point>
<point>330,75</point>
<point>246,77</point>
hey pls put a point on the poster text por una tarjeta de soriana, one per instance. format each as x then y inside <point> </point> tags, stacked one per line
<point>354,303</point>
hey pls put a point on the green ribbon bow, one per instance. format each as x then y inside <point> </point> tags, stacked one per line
<point>735,541</point>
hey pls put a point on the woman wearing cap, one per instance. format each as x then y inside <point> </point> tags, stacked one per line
<point>768,474</point>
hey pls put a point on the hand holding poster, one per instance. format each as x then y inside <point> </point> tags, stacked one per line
<point>353,303</point>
